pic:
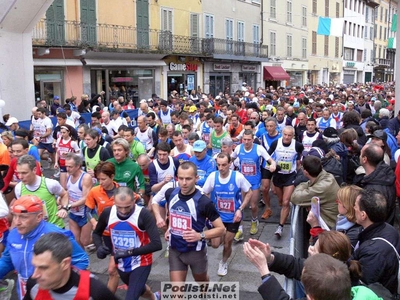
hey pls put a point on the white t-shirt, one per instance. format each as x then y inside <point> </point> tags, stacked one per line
<point>40,127</point>
<point>52,185</point>
<point>110,128</point>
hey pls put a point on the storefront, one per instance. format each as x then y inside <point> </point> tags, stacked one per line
<point>296,78</point>
<point>229,77</point>
<point>48,83</point>
<point>349,76</point>
<point>275,76</point>
<point>183,74</point>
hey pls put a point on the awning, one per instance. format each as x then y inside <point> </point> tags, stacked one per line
<point>275,73</point>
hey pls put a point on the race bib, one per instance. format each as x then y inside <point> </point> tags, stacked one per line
<point>122,183</point>
<point>180,222</point>
<point>226,205</point>
<point>249,169</point>
<point>286,166</point>
<point>206,138</point>
<point>123,239</point>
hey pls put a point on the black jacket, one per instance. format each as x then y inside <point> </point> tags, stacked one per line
<point>382,180</point>
<point>378,260</point>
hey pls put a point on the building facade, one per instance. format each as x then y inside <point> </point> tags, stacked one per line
<point>286,26</point>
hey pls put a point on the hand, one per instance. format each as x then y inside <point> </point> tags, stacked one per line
<point>55,165</point>
<point>238,216</point>
<point>166,235</point>
<point>160,222</point>
<point>90,172</point>
<point>312,251</point>
<point>191,236</point>
<point>168,178</point>
<point>94,223</point>
<point>264,248</point>
<point>122,253</point>
<point>62,213</point>
<point>272,167</point>
<point>256,257</point>
<point>102,252</point>
<point>312,220</point>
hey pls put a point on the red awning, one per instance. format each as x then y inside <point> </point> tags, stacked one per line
<point>275,73</point>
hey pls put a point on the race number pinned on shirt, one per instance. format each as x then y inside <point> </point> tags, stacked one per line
<point>249,168</point>
<point>180,222</point>
<point>286,166</point>
<point>124,239</point>
<point>22,286</point>
<point>226,205</point>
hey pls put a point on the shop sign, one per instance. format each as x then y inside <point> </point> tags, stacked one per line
<point>222,67</point>
<point>182,67</point>
<point>249,68</point>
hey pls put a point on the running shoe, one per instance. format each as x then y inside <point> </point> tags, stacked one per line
<point>238,236</point>
<point>222,268</point>
<point>279,231</point>
<point>254,227</point>
<point>267,213</point>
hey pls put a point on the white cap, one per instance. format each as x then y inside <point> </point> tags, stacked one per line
<point>143,101</point>
<point>11,121</point>
<point>246,94</point>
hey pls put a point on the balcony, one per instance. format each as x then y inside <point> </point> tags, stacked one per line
<point>116,38</point>
<point>382,63</point>
<point>372,3</point>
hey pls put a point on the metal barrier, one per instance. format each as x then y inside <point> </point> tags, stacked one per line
<point>297,243</point>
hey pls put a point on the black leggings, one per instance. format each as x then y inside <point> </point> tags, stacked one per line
<point>136,281</point>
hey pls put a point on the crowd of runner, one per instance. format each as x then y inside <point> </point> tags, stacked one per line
<point>189,166</point>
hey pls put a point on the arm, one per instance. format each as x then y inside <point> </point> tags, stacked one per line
<point>100,227</point>
<point>211,167</point>
<point>6,264</point>
<point>156,206</point>
<point>262,152</point>
<point>302,195</point>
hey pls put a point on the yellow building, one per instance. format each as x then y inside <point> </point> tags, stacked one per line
<point>324,61</point>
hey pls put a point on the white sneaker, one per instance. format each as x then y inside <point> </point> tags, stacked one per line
<point>222,268</point>
<point>57,174</point>
<point>279,231</point>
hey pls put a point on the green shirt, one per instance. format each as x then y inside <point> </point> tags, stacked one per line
<point>216,142</point>
<point>128,173</point>
<point>137,148</point>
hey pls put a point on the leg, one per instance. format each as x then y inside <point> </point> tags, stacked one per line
<point>216,242</point>
<point>63,180</point>
<point>76,230</point>
<point>178,276</point>
<point>266,184</point>
<point>287,193</point>
<point>113,278</point>
<point>228,240</point>
<point>255,196</point>
<point>137,283</point>
<point>86,234</point>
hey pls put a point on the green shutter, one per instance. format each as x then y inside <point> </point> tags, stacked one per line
<point>142,23</point>
<point>55,24</point>
<point>88,22</point>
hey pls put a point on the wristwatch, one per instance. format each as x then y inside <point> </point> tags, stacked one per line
<point>202,236</point>
<point>66,207</point>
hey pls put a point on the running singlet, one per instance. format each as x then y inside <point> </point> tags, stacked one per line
<point>127,235</point>
<point>75,194</point>
<point>250,164</point>
<point>216,142</point>
<point>226,197</point>
<point>286,157</point>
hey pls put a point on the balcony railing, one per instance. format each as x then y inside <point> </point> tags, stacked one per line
<point>382,62</point>
<point>107,37</point>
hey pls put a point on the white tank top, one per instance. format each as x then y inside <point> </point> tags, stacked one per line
<point>75,194</point>
<point>161,174</point>
<point>307,141</point>
<point>286,157</point>
<point>166,117</point>
<point>145,138</point>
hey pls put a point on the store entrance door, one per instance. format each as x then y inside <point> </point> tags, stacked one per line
<point>49,89</point>
<point>220,83</point>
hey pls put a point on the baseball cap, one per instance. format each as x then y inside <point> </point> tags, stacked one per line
<point>315,151</point>
<point>11,121</point>
<point>296,105</point>
<point>143,101</point>
<point>330,132</point>
<point>193,108</point>
<point>27,204</point>
<point>56,98</point>
<point>380,134</point>
<point>269,107</point>
<point>199,146</point>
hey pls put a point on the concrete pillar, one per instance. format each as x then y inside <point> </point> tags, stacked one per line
<point>17,19</point>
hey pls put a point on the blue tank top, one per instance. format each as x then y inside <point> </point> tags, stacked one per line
<point>267,141</point>
<point>250,164</point>
<point>226,197</point>
<point>324,124</point>
<point>184,216</point>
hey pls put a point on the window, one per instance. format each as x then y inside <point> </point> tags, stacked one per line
<point>166,19</point>
<point>314,43</point>
<point>365,55</point>
<point>272,9</point>
<point>229,34</point>
<point>375,31</point>
<point>194,25</point>
<point>381,16</point>
<point>367,14</point>
<point>372,56</point>
<point>304,48</point>
<point>358,31</point>
<point>345,3</point>
<point>355,5</point>
<point>304,16</point>
<point>366,33</point>
<point>337,9</point>
<point>314,7</point>
<point>289,52</point>
<point>371,33</point>
<point>386,15</point>
<point>379,51</point>
<point>240,31</point>
<point>380,32</point>
<point>326,8</point>
<point>209,26</point>
<point>256,34</point>
<point>272,43</point>
<point>336,47</point>
<point>326,45</point>
<point>376,14</point>
<point>359,55</point>
<point>348,54</point>
<point>289,17</point>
